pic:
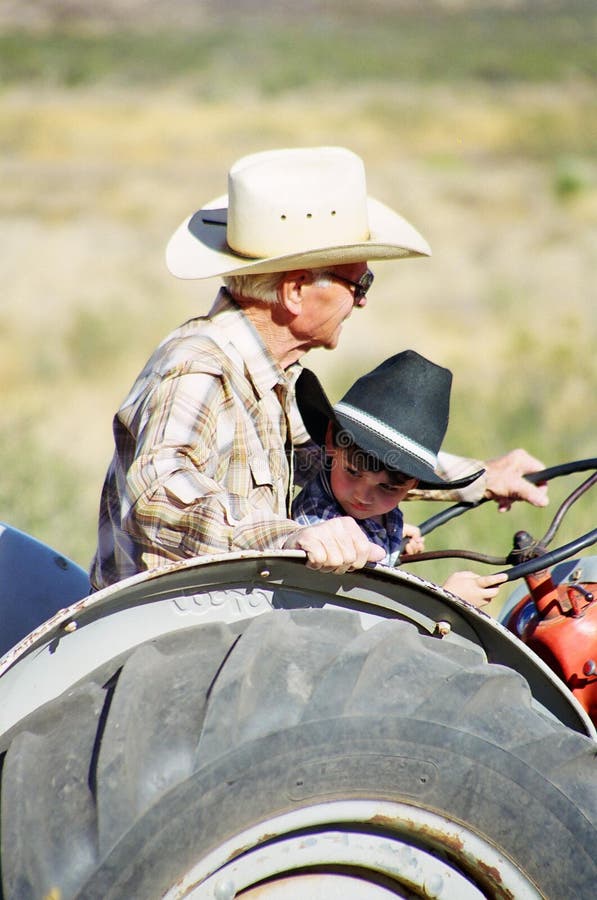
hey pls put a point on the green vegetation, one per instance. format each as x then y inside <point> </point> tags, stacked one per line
<point>544,43</point>
<point>571,177</point>
<point>41,493</point>
<point>479,126</point>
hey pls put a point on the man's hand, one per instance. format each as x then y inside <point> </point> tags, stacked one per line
<point>337,545</point>
<point>505,480</point>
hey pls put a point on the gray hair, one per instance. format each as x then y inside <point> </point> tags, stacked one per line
<point>264,286</point>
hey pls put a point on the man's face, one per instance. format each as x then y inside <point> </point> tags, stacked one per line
<point>362,494</point>
<point>325,307</point>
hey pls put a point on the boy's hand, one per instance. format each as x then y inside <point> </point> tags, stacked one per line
<point>415,542</point>
<point>476,589</point>
<point>337,545</point>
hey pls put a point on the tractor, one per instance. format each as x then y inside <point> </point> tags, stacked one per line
<point>241,726</point>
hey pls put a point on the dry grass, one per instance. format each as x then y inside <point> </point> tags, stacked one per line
<point>94,181</point>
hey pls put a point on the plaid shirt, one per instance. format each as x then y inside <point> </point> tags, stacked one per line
<point>316,503</point>
<point>201,461</point>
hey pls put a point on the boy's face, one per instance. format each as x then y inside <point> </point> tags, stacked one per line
<point>363,494</point>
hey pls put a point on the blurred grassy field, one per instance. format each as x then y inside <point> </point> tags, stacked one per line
<point>480,129</point>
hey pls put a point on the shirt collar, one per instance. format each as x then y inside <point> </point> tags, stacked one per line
<point>237,329</point>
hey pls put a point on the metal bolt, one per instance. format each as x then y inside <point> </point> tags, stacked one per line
<point>265,573</point>
<point>590,667</point>
<point>434,886</point>
<point>225,889</point>
<point>70,627</point>
<point>442,628</point>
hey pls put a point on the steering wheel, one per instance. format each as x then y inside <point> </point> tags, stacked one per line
<point>536,556</point>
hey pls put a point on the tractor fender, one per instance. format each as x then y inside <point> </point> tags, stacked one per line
<point>233,587</point>
<point>241,725</point>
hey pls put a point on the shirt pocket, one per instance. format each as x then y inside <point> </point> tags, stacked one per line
<point>260,470</point>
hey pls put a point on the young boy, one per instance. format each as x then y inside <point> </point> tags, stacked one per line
<point>381,441</point>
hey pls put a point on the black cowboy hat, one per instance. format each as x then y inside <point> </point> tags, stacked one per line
<point>397,413</point>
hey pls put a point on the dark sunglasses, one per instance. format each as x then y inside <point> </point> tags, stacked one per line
<point>360,287</point>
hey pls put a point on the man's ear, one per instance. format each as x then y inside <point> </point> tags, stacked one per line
<point>292,290</point>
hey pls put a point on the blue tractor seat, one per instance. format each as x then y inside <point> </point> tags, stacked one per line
<point>35,582</point>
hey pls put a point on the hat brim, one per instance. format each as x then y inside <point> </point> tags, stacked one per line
<point>316,411</point>
<point>198,248</point>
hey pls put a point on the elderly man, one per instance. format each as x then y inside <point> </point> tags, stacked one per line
<point>209,442</point>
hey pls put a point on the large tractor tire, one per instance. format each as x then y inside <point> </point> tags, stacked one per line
<point>298,755</point>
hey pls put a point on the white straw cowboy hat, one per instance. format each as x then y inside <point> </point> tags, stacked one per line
<point>291,209</point>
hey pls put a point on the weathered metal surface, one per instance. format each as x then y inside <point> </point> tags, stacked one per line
<point>403,847</point>
<point>233,587</point>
